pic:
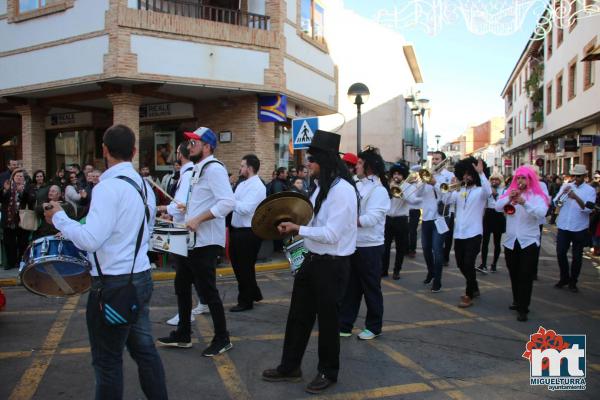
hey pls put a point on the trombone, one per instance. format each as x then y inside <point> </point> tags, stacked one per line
<point>445,188</point>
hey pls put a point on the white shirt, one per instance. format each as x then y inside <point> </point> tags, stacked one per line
<point>112,224</point>
<point>572,217</point>
<point>430,195</point>
<point>491,202</point>
<point>445,176</point>
<point>400,207</point>
<point>248,195</point>
<point>333,231</point>
<point>470,205</point>
<point>523,226</point>
<point>210,192</point>
<point>374,204</point>
<point>181,194</point>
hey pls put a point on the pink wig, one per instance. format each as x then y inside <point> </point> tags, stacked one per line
<point>533,183</point>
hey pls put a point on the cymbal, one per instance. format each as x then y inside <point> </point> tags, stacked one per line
<point>277,208</point>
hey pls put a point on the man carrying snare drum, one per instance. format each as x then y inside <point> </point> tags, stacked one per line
<point>210,200</point>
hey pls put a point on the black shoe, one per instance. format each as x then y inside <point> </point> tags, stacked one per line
<point>396,276</point>
<point>239,308</point>
<point>513,307</point>
<point>428,279</point>
<point>493,268</point>
<point>535,278</point>
<point>436,288</point>
<point>522,317</point>
<point>384,274</point>
<point>476,293</point>
<point>217,347</point>
<point>258,297</point>
<point>561,284</point>
<point>273,375</point>
<point>176,339</point>
<point>482,268</point>
<point>573,288</point>
<point>320,383</point>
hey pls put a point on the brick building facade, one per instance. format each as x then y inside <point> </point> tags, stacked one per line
<point>70,69</point>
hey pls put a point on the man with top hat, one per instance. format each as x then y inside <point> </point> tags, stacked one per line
<point>210,199</point>
<point>319,285</point>
<point>573,222</point>
<point>527,203</point>
<point>396,222</point>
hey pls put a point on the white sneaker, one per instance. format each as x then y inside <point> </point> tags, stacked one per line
<point>175,320</point>
<point>200,309</point>
<point>367,335</point>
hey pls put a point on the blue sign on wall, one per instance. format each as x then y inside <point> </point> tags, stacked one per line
<point>303,130</point>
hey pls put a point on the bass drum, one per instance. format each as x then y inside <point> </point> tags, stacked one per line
<point>54,267</point>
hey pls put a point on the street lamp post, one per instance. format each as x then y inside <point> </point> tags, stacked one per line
<point>437,141</point>
<point>358,94</point>
<point>531,125</point>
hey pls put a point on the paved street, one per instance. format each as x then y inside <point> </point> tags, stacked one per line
<point>430,349</point>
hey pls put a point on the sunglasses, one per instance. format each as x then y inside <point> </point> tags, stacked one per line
<point>310,159</point>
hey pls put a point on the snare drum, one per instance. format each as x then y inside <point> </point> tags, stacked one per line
<point>295,254</point>
<point>170,240</point>
<point>54,267</point>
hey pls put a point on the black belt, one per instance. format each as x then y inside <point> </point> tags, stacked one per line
<point>316,257</point>
<point>398,216</point>
<point>240,229</point>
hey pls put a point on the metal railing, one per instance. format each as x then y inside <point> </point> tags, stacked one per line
<point>195,9</point>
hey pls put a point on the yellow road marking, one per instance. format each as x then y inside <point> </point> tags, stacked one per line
<point>595,367</point>
<point>29,312</point>
<point>457,395</point>
<point>32,377</point>
<point>15,354</point>
<point>402,360</point>
<point>377,392</point>
<point>225,367</point>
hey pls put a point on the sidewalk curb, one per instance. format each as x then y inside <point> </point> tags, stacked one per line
<point>167,276</point>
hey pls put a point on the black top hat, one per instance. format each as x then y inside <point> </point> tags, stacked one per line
<point>325,141</point>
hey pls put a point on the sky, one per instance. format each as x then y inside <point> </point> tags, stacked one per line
<point>464,73</point>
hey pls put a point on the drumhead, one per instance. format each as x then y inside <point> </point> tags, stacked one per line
<point>56,276</point>
<point>170,231</point>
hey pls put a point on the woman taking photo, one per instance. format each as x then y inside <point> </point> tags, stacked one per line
<point>13,199</point>
<point>37,191</point>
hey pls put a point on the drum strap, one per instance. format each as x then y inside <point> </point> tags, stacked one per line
<point>138,242</point>
<point>187,200</point>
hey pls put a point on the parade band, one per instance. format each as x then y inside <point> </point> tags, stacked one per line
<point>348,242</point>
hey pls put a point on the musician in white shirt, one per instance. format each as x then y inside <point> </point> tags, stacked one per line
<point>182,188</point>
<point>319,284</point>
<point>243,243</point>
<point>524,203</point>
<point>111,230</point>
<point>573,222</point>
<point>396,222</point>
<point>494,224</point>
<point>210,199</point>
<point>365,263</point>
<point>442,175</point>
<point>470,204</point>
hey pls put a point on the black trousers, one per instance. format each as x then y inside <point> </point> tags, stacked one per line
<point>318,290</point>
<point>537,255</point>
<point>243,250</point>
<point>521,265</point>
<point>364,280</point>
<point>414,216</point>
<point>494,223</point>
<point>448,238</point>
<point>564,240</point>
<point>199,268</point>
<point>15,243</point>
<point>466,251</point>
<point>396,229</point>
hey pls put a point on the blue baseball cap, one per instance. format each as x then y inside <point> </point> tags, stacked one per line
<point>204,134</point>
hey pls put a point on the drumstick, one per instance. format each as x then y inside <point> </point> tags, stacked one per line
<point>163,191</point>
<point>175,224</point>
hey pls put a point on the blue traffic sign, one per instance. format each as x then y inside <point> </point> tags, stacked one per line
<point>303,130</point>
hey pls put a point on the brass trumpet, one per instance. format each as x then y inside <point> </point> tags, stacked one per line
<point>445,188</point>
<point>395,189</point>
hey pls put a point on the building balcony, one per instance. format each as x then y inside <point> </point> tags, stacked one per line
<point>196,9</point>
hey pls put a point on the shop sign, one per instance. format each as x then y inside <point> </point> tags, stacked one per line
<point>152,112</point>
<point>571,145</point>
<point>272,108</point>
<point>586,140</point>
<point>596,140</point>
<point>68,120</point>
<point>508,162</point>
<point>539,162</point>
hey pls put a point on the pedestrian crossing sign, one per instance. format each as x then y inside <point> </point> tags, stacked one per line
<point>303,130</point>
